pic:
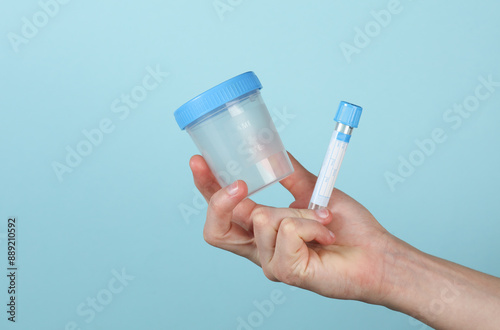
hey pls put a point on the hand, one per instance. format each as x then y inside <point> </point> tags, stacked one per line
<point>295,245</point>
<point>362,261</point>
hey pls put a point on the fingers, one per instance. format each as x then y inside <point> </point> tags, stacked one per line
<point>300,184</point>
<point>220,230</point>
<point>203,177</point>
<point>295,232</point>
<point>220,210</point>
<point>266,224</point>
<point>293,261</point>
<point>207,184</point>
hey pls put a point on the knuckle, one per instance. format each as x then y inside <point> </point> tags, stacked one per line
<point>269,274</point>
<point>210,238</point>
<point>291,277</point>
<point>288,226</point>
<point>299,213</point>
<point>305,214</point>
<point>285,274</point>
<point>215,204</point>
<point>260,216</point>
<point>280,275</point>
<point>289,272</point>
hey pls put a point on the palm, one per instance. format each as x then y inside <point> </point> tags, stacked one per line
<point>359,238</point>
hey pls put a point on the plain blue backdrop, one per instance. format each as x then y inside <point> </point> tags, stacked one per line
<point>65,67</point>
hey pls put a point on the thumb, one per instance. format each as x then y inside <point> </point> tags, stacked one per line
<point>300,184</point>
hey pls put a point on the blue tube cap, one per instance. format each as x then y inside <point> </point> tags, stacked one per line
<point>348,114</point>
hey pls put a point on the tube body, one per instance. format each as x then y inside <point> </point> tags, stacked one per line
<point>331,166</point>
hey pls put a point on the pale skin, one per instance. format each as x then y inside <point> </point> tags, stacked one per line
<point>344,253</point>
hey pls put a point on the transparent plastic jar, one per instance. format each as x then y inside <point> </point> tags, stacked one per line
<point>232,128</point>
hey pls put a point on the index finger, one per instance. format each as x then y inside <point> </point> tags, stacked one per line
<point>204,179</point>
<point>220,230</point>
<point>208,186</point>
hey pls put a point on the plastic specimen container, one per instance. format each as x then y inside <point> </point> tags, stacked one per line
<point>234,132</point>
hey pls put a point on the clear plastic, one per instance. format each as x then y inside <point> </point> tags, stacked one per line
<point>239,141</point>
<point>328,174</point>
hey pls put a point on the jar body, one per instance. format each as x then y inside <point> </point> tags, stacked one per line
<point>239,141</point>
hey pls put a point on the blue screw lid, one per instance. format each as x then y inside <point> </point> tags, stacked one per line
<point>215,97</point>
<point>348,114</point>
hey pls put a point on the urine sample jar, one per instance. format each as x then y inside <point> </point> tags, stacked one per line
<point>234,132</point>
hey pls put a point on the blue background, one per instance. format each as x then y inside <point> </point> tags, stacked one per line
<point>120,207</point>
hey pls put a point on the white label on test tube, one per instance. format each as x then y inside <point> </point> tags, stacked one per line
<point>329,171</point>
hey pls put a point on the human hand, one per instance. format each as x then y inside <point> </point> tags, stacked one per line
<point>295,245</point>
<point>362,262</point>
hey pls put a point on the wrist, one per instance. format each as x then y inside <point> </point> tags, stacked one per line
<point>401,273</point>
<point>436,291</point>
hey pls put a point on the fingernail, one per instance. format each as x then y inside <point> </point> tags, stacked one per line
<point>332,234</point>
<point>322,213</point>
<point>232,189</point>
